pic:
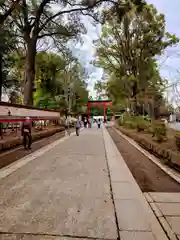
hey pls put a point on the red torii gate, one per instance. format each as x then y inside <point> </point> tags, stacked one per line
<point>99,103</point>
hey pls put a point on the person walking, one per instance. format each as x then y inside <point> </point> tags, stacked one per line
<point>67,126</point>
<point>99,123</point>
<point>26,133</point>
<point>85,122</point>
<point>89,123</point>
<point>78,126</point>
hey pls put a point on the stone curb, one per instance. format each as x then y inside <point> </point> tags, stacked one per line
<point>173,174</point>
<point>18,140</point>
<point>6,171</point>
<point>132,209</point>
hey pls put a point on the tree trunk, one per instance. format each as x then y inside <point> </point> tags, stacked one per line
<point>29,78</point>
<point>1,76</point>
<point>134,96</point>
<point>1,84</point>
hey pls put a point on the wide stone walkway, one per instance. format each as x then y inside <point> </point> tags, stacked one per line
<point>64,192</point>
<point>76,188</point>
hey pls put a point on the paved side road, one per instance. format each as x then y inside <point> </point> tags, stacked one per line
<point>62,194</point>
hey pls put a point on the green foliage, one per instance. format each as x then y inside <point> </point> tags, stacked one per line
<point>141,123</point>
<point>126,51</point>
<point>177,139</point>
<point>133,122</point>
<point>49,21</point>
<point>127,120</point>
<point>159,130</point>
<point>100,88</point>
<point>59,82</point>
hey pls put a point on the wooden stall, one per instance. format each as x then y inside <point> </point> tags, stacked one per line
<point>11,115</point>
<point>17,113</point>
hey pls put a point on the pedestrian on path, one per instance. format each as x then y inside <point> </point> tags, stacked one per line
<point>99,123</point>
<point>26,133</point>
<point>67,126</point>
<point>89,123</point>
<point>78,126</point>
<point>85,122</point>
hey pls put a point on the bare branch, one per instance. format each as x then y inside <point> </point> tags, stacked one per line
<point>8,12</point>
<point>38,14</point>
<point>67,34</point>
<point>95,3</point>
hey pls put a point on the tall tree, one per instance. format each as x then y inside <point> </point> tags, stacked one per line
<point>36,20</point>
<point>60,82</point>
<point>60,20</point>
<point>128,45</point>
<point>7,44</point>
<point>100,88</point>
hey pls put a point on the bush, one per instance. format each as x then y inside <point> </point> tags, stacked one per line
<point>130,124</point>
<point>126,117</point>
<point>119,121</point>
<point>159,130</point>
<point>133,122</point>
<point>177,139</point>
<point>125,120</point>
<point>141,123</point>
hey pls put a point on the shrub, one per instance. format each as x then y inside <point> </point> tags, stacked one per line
<point>126,117</point>
<point>133,122</point>
<point>177,139</point>
<point>141,123</point>
<point>125,120</point>
<point>130,124</point>
<point>159,130</point>
<point>119,121</point>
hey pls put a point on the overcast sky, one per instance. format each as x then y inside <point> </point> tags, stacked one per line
<point>169,63</point>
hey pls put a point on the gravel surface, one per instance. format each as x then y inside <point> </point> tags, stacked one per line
<point>149,176</point>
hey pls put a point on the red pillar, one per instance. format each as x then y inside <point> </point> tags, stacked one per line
<point>113,116</point>
<point>89,110</point>
<point>104,111</point>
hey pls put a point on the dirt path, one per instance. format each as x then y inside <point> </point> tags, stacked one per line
<point>17,153</point>
<point>149,176</point>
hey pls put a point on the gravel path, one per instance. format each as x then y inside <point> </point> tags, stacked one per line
<point>149,177</point>
<point>17,153</point>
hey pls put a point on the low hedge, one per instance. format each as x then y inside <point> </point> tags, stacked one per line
<point>177,139</point>
<point>169,157</point>
<point>16,141</point>
<point>159,130</point>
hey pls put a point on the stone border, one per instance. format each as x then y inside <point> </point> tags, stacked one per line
<point>17,141</point>
<point>6,171</point>
<point>173,174</point>
<point>170,157</point>
<point>135,216</point>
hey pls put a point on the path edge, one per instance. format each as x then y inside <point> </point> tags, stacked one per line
<point>169,171</point>
<point>9,169</point>
<point>113,153</point>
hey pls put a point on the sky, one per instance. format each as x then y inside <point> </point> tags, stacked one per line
<point>168,63</point>
<point>86,53</point>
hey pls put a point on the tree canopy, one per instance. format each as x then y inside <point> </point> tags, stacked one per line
<point>127,50</point>
<point>133,34</point>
